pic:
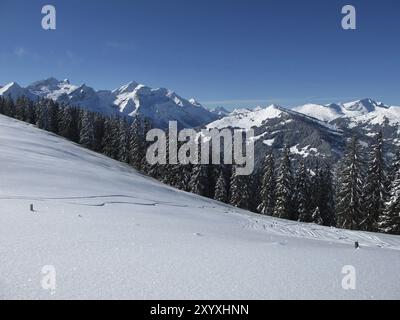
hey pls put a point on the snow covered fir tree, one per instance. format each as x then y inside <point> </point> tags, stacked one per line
<point>360,192</point>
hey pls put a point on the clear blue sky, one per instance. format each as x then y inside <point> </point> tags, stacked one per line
<point>232,53</point>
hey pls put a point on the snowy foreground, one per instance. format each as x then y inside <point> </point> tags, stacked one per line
<point>111,233</point>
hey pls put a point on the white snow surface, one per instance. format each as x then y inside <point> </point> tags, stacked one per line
<point>112,233</point>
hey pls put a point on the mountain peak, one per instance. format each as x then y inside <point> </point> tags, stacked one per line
<point>11,85</point>
<point>129,87</point>
<point>220,111</point>
<point>13,90</point>
<point>194,102</point>
<point>363,106</point>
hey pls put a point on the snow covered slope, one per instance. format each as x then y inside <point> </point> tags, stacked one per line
<point>160,105</point>
<point>246,118</point>
<point>113,233</point>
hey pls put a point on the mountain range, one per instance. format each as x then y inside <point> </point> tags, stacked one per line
<point>316,131</point>
<point>160,105</point>
<point>313,131</point>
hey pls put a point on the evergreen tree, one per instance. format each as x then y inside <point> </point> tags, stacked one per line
<point>9,107</point>
<point>268,184</point>
<point>284,188</point>
<point>123,144</point>
<point>394,168</point>
<point>20,108</point>
<point>136,145</point>
<point>199,180</point>
<point>167,170</point>
<point>351,181</point>
<point>326,195</point>
<point>2,104</point>
<point>240,191</point>
<point>221,188</point>
<point>376,187</point>
<point>42,116</point>
<point>87,130</point>
<point>389,221</point>
<point>98,132</point>
<point>302,194</point>
<point>53,116</point>
<point>30,112</point>
<point>65,123</point>
<point>147,126</point>
<point>184,173</point>
<point>110,138</point>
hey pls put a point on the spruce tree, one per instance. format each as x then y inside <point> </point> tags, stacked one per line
<point>123,144</point>
<point>183,174</point>
<point>147,126</point>
<point>326,195</point>
<point>86,138</point>
<point>199,180</point>
<point>20,108</point>
<point>9,107</point>
<point>268,184</point>
<point>2,104</point>
<point>136,145</point>
<point>302,197</point>
<point>53,115</point>
<point>42,116</point>
<point>240,191</point>
<point>284,187</point>
<point>221,188</point>
<point>350,189</point>
<point>98,132</point>
<point>110,138</point>
<point>389,221</point>
<point>31,112</point>
<point>394,168</point>
<point>376,187</point>
<point>65,123</point>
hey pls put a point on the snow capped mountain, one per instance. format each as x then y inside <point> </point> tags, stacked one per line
<point>160,105</point>
<point>361,111</point>
<point>318,127</point>
<point>363,106</point>
<point>324,113</point>
<point>111,233</point>
<point>220,111</point>
<point>14,91</point>
<point>275,126</point>
<point>86,97</point>
<point>315,130</point>
<point>246,118</point>
<point>51,88</point>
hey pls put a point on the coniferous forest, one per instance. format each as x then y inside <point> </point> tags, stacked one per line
<point>361,192</point>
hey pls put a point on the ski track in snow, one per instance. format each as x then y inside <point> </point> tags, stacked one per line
<point>274,225</point>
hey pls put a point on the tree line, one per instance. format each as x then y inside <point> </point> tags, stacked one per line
<point>361,192</point>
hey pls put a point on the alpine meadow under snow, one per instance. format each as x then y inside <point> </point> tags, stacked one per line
<point>111,232</point>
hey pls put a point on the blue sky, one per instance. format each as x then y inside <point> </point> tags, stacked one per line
<point>231,53</point>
